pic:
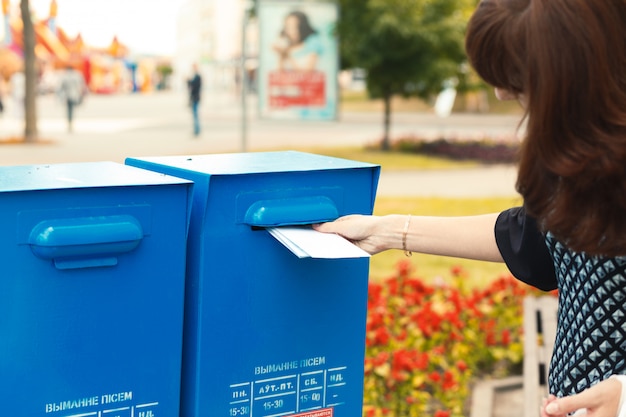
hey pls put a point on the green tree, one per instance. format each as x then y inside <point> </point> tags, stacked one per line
<point>407,47</point>
<point>30,74</point>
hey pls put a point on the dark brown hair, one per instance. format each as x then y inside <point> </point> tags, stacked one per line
<point>304,26</point>
<point>568,60</point>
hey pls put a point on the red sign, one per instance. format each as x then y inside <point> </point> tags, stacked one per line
<point>296,88</point>
<point>325,412</point>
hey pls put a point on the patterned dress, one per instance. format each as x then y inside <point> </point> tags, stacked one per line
<point>590,343</point>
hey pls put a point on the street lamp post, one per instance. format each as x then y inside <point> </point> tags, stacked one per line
<point>247,8</point>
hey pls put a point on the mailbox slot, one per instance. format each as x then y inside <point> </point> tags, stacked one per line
<point>281,212</point>
<point>294,206</point>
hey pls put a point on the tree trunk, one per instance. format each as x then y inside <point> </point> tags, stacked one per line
<point>30,75</point>
<point>387,121</point>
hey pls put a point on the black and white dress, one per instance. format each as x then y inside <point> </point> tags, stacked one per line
<point>590,341</point>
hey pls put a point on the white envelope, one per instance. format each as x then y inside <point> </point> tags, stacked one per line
<point>305,242</point>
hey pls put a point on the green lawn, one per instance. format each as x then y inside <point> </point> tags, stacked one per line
<point>358,101</point>
<point>391,160</point>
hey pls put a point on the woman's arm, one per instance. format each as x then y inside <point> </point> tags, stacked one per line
<point>471,237</point>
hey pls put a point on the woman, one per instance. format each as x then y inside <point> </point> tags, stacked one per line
<point>565,62</point>
<point>298,46</point>
<point>194,89</point>
<point>71,91</point>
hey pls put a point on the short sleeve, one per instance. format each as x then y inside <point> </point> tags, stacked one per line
<point>524,250</point>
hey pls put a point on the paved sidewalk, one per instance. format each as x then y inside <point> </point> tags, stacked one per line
<point>115,127</point>
<point>486,181</point>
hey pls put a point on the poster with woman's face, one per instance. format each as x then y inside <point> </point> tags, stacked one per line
<point>298,60</point>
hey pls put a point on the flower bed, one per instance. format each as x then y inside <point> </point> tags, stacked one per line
<point>484,151</point>
<point>426,344</point>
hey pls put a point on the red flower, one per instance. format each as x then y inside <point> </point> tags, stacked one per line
<point>401,360</point>
<point>453,318</point>
<point>457,270</point>
<point>421,361</point>
<point>461,366</point>
<point>399,376</point>
<point>456,299</point>
<point>375,296</point>
<point>489,328</point>
<point>448,380</point>
<point>456,337</point>
<point>506,337</point>
<point>404,267</point>
<point>381,336</point>
<point>442,413</point>
<point>375,319</point>
<point>393,285</point>
<point>427,320</point>
<point>439,350</point>
<point>381,358</point>
<point>434,376</point>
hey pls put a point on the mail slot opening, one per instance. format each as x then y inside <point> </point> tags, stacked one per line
<point>291,211</point>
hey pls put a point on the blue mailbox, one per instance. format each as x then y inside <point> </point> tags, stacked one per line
<point>268,333</point>
<point>91,290</point>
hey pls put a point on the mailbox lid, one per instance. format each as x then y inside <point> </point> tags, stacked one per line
<point>253,163</point>
<point>78,175</point>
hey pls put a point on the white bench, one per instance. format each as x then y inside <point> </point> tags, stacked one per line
<point>520,396</point>
<point>540,317</point>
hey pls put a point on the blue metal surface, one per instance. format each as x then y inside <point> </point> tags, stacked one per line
<point>91,290</point>
<point>290,211</point>
<point>266,333</point>
<point>78,242</point>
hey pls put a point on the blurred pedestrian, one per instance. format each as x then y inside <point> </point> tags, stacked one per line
<point>2,88</point>
<point>194,85</point>
<point>71,91</point>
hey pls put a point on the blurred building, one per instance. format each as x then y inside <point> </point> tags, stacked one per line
<point>210,34</point>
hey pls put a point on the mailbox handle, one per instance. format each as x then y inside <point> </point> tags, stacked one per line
<point>86,241</point>
<point>291,211</point>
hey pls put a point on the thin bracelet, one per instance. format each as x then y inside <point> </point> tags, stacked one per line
<point>407,253</point>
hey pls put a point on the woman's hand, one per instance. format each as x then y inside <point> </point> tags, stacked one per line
<point>359,229</point>
<point>601,400</point>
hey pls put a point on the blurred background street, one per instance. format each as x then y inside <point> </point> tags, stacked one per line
<point>137,77</point>
<point>113,127</point>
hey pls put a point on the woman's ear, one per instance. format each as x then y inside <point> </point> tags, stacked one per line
<point>504,95</point>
